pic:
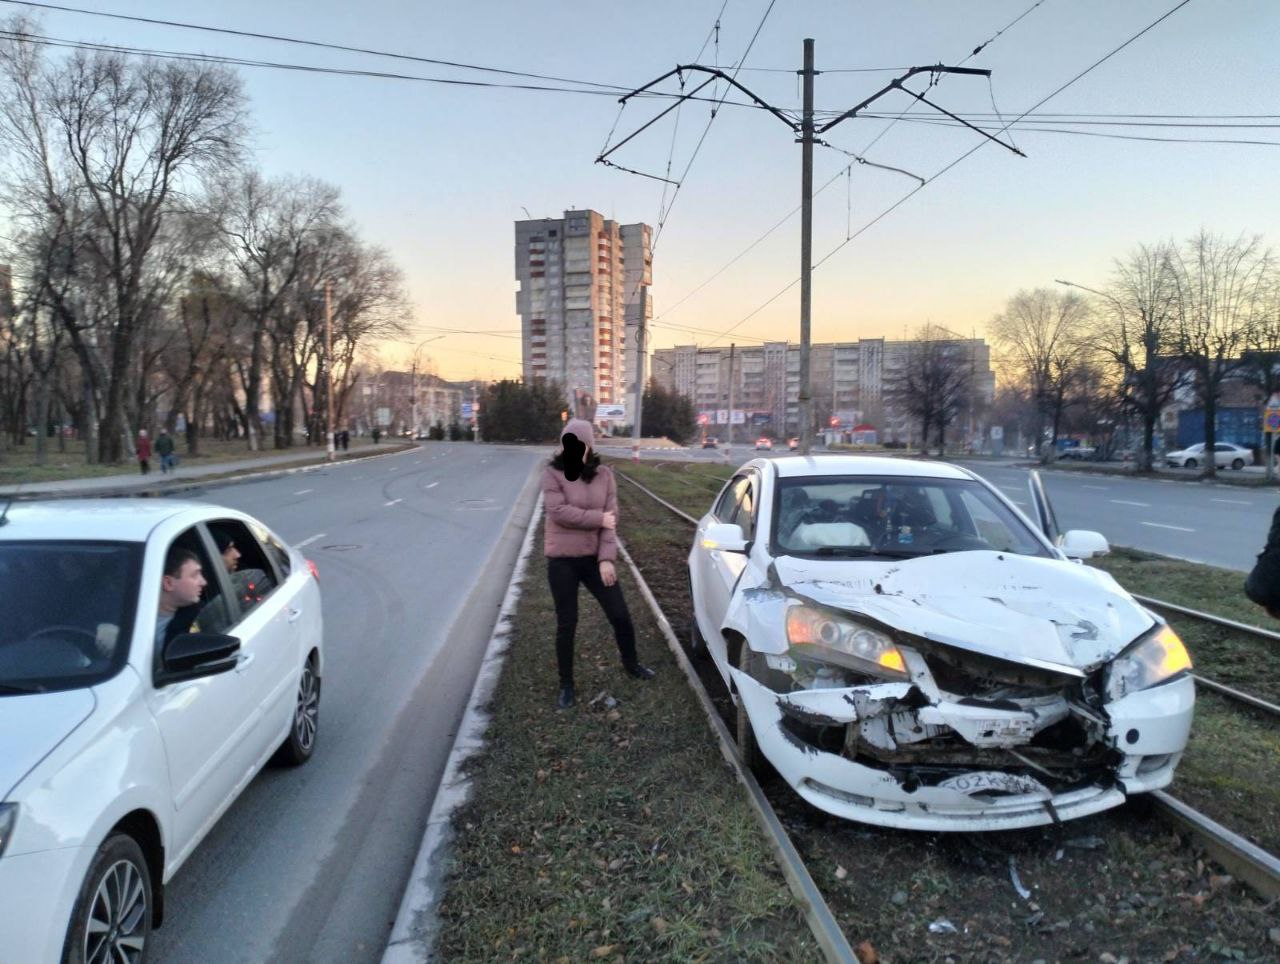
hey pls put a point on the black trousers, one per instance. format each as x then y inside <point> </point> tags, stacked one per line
<point>565,574</point>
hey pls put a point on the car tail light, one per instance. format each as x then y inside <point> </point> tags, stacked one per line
<point>315,573</point>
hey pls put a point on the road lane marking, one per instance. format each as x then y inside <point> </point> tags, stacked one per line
<point>308,541</point>
<point>1141,505</point>
<point>1232,501</point>
<point>433,485</point>
<point>1161,525</point>
<point>303,491</point>
<point>394,502</point>
<point>1100,488</point>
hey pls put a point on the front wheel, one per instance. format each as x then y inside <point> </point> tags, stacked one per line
<point>697,644</point>
<point>111,921</point>
<point>1237,464</point>
<point>748,748</point>
<point>1190,463</point>
<point>301,741</point>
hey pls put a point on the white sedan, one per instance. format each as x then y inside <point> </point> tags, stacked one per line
<point>905,648</point>
<point>1224,454</point>
<point>154,655</point>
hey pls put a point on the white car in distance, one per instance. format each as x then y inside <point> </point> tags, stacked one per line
<point>906,649</point>
<point>122,741</point>
<point>1224,454</point>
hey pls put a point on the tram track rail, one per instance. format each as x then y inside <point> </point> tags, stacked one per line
<point>1250,863</point>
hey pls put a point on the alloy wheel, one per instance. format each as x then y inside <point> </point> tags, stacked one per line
<point>306,714</point>
<point>116,929</point>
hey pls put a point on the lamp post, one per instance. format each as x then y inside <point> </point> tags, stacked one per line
<point>417,427</point>
<point>328,370</point>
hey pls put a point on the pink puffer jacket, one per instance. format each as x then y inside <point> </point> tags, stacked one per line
<point>575,511</point>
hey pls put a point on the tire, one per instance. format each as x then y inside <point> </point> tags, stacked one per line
<point>748,748</point>
<point>697,645</point>
<point>301,741</point>
<point>1238,464</point>
<point>1189,464</point>
<point>112,916</point>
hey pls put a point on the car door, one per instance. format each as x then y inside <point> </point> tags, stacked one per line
<point>708,588</point>
<point>724,568</point>
<point>206,723</point>
<point>265,626</point>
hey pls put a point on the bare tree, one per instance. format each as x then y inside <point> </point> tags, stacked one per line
<point>1040,337</point>
<point>934,382</point>
<point>1222,288</point>
<point>1135,328</point>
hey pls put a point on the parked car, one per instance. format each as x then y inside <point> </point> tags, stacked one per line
<point>1078,453</point>
<point>906,648</point>
<point>709,442</point>
<point>1224,454</point>
<point>764,444</point>
<point>123,737</point>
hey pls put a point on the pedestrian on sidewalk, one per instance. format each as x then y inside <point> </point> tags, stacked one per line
<point>581,544</point>
<point>1263,583</point>
<point>376,435</point>
<point>164,449</point>
<point>143,447</point>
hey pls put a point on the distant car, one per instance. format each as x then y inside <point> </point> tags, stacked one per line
<point>908,649</point>
<point>1224,454</point>
<point>764,444</point>
<point>709,442</point>
<point>793,444</point>
<point>1078,453</point>
<point>124,736</point>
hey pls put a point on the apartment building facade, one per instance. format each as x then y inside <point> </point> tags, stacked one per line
<point>580,280</point>
<point>848,381</point>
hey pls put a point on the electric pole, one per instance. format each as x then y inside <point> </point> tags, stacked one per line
<point>806,247</point>
<point>635,424</point>
<point>809,135</point>
<point>328,370</point>
<point>728,447</point>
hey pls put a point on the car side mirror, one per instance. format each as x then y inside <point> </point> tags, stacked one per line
<point>1083,544</point>
<point>196,655</point>
<point>725,537</point>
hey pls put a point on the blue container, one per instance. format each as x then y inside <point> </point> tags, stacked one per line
<point>1243,426</point>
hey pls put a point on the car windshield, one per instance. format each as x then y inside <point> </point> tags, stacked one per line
<point>66,613</point>
<point>853,517</point>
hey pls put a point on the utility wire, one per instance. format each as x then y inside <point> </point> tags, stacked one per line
<point>969,153</point>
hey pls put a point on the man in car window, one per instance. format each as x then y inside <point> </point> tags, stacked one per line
<point>180,589</point>
<point>227,546</point>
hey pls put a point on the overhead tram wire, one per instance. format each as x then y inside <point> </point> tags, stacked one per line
<point>843,172</point>
<point>969,153</point>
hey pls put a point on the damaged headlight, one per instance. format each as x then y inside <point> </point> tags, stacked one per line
<point>818,634</point>
<point>1152,659</point>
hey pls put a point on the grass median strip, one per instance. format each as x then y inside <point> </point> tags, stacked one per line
<point>614,829</point>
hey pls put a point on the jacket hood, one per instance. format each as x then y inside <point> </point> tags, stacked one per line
<point>1042,612</point>
<point>582,429</point>
<point>32,726</point>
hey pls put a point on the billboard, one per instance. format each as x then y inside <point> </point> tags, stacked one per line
<point>610,413</point>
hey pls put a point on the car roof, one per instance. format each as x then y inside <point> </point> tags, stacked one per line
<point>805,465</point>
<point>112,520</point>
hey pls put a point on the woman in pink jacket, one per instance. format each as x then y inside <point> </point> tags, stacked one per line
<point>581,544</point>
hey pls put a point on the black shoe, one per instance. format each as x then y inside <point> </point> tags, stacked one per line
<point>640,672</point>
<point>565,700</point>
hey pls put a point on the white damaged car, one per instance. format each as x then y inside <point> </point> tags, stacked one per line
<point>905,648</point>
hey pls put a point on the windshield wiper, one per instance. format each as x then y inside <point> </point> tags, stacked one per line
<point>861,552</point>
<point>21,688</point>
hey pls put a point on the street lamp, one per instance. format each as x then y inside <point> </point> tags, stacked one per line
<point>417,428</point>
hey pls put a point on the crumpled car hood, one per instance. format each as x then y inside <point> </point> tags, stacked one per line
<point>1043,612</point>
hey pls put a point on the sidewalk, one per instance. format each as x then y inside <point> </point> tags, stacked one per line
<point>185,475</point>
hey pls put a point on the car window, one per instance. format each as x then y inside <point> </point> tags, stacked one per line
<point>744,510</point>
<point>211,610</point>
<point>276,549</point>
<point>249,567</point>
<point>852,516</point>
<point>66,612</point>
<point>728,500</point>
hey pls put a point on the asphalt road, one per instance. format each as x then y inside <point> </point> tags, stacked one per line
<point>1221,525</point>
<point>414,553</point>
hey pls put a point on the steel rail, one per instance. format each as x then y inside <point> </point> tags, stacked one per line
<point>1245,628</point>
<point>1249,862</point>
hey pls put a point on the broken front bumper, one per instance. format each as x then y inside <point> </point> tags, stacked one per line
<point>1148,731</point>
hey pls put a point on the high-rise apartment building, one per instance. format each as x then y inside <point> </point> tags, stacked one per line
<point>849,381</point>
<point>580,280</point>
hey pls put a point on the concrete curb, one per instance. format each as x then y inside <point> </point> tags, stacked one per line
<point>152,490</point>
<point>817,914</point>
<point>415,926</point>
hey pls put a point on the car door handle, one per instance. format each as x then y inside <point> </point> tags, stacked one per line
<point>294,615</point>
<point>243,661</point>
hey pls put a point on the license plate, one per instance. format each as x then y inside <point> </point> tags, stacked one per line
<point>993,780</point>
